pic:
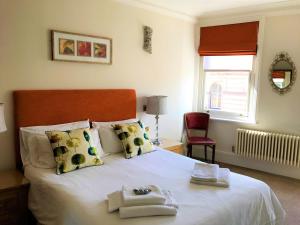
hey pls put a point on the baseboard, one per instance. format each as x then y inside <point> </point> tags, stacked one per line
<point>234,159</point>
<point>261,165</point>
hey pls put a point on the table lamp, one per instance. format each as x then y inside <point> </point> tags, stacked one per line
<point>156,105</point>
<point>2,120</point>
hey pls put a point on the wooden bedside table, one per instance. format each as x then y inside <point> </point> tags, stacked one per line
<point>13,198</point>
<point>171,145</point>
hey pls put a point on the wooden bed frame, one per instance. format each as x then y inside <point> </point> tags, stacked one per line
<point>48,107</point>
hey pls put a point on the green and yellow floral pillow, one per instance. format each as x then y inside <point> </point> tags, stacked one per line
<point>134,137</point>
<point>73,149</point>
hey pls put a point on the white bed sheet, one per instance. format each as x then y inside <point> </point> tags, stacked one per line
<point>79,197</point>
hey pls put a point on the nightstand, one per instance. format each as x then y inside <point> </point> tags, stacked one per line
<point>13,198</point>
<point>171,145</point>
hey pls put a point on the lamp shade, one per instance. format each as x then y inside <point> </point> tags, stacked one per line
<point>156,105</point>
<point>2,120</point>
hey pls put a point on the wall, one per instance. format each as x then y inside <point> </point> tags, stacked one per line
<point>274,112</point>
<point>25,56</point>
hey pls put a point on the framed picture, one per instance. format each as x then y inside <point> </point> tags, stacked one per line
<point>76,47</point>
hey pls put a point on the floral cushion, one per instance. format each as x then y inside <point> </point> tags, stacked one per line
<point>73,149</point>
<point>134,137</point>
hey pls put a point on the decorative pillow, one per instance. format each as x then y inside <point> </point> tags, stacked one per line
<point>34,144</point>
<point>73,149</point>
<point>134,137</point>
<point>109,141</point>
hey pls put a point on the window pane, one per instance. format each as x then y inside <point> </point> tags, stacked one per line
<point>227,91</point>
<point>243,62</point>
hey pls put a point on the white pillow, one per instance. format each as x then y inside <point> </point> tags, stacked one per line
<point>109,140</point>
<point>36,149</point>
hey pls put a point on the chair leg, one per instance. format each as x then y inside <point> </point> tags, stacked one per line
<point>213,153</point>
<point>189,152</point>
<point>205,153</point>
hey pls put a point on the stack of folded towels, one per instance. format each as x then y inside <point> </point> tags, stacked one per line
<point>155,203</point>
<point>210,174</point>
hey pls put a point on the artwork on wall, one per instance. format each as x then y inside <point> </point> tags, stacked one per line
<point>66,47</point>
<point>148,39</point>
<point>75,47</point>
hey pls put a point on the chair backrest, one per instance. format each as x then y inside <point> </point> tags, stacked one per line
<point>196,121</point>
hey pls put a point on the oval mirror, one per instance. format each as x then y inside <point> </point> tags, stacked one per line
<point>282,73</point>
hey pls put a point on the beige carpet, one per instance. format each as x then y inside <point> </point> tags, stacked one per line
<point>286,189</point>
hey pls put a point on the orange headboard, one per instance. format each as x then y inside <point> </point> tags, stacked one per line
<point>48,107</point>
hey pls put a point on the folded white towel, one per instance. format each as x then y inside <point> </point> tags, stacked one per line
<point>115,201</point>
<point>222,181</point>
<point>155,197</point>
<point>127,197</point>
<point>170,200</point>
<point>205,172</point>
<point>169,208</point>
<point>148,210</point>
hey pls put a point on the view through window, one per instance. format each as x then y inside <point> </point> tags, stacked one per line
<point>227,83</point>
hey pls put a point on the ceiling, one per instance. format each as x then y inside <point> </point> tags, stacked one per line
<point>198,8</point>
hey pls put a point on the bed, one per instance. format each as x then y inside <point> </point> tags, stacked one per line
<point>79,197</point>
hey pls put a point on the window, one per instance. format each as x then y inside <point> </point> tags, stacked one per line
<point>227,86</point>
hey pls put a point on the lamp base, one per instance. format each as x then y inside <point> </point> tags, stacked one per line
<point>156,142</point>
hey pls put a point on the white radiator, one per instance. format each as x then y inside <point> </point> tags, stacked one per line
<point>273,147</point>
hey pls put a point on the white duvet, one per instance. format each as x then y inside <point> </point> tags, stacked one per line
<point>79,197</point>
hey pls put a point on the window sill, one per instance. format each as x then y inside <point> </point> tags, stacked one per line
<point>240,121</point>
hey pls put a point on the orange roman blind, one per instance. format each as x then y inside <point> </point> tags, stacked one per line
<point>232,39</point>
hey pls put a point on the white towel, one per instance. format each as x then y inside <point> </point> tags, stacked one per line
<point>117,199</point>
<point>205,172</point>
<point>155,197</point>
<point>222,181</point>
<point>170,200</point>
<point>115,202</point>
<point>149,210</point>
<point>168,209</point>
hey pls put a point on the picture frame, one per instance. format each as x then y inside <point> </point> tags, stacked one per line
<point>76,47</point>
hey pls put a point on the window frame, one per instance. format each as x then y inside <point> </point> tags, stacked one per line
<point>231,116</point>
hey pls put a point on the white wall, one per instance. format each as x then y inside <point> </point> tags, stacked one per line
<point>274,112</point>
<point>25,56</point>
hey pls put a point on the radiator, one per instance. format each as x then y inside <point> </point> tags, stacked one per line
<point>274,147</point>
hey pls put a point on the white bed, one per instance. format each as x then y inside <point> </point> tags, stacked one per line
<point>79,197</point>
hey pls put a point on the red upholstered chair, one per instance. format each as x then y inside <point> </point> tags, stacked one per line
<point>198,121</point>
